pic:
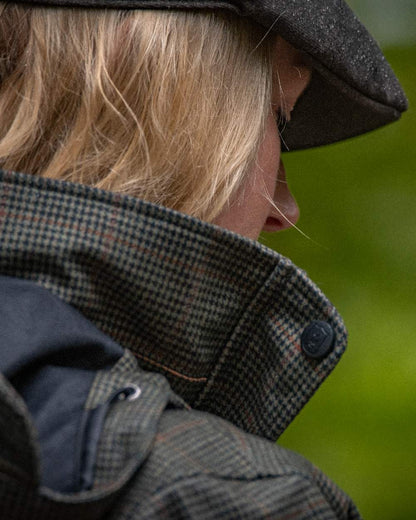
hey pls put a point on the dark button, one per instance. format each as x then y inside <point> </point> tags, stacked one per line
<point>317,339</point>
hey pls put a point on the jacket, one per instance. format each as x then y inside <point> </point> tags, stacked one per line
<point>160,355</point>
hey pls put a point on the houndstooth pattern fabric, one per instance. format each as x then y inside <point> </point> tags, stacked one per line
<point>219,316</point>
<point>203,467</point>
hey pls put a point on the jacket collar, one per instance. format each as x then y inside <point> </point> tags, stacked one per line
<point>219,315</point>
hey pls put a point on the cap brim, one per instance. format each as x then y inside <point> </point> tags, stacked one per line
<point>330,111</point>
<point>353,88</point>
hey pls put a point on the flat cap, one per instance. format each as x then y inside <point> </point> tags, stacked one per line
<point>353,89</point>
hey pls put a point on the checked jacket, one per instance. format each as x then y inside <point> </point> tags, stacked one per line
<point>209,328</point>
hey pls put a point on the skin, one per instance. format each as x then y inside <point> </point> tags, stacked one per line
<point>264,202</point>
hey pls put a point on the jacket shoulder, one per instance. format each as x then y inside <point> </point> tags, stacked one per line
<point>202,466</point>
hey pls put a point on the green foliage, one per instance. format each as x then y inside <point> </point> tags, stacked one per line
<point>392,22</point>
<point>358,205</point>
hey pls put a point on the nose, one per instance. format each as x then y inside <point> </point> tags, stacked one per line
<point>285,211</point>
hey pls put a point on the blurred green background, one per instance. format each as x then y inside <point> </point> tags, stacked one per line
<point>358,206</point>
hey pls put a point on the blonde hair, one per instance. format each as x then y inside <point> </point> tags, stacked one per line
<point>165,106</point>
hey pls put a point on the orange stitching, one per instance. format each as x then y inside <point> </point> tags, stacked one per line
<point>174,372</point>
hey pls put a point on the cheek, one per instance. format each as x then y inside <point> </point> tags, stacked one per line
<point>263,180</point>
<point>248,212</point>
<point>268,159</point>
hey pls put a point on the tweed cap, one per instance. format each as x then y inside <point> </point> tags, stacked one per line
<point>353,89</point>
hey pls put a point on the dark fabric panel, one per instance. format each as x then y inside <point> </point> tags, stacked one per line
<point>50,353</point>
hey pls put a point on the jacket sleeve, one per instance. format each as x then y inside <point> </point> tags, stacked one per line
<point>204,468</point>
<point>206,497</point>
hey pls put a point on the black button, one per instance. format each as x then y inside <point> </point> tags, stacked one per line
<point>317,339</point>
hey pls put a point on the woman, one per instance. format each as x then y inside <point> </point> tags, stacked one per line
<point>150,356</point>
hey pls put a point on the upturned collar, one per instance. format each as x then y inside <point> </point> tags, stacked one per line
<point>219,315</point>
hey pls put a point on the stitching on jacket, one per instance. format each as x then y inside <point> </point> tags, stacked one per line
<point>170,370</point>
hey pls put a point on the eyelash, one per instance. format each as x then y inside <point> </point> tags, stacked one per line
<point>281,121</point>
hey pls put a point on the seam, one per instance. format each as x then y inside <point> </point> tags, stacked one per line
<point>170,370</point>
<point>286,267</point>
